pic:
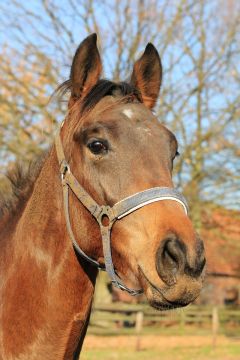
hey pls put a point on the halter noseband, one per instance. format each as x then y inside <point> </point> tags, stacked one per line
<point>114,213</point>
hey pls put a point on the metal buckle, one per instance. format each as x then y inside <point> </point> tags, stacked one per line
<point>64,168</point>
<point>119,286</point>
<point>106,211</point>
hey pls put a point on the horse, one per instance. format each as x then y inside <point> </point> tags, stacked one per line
<point>101,198</point>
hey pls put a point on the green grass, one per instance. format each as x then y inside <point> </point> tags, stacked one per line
<point>228,352</point>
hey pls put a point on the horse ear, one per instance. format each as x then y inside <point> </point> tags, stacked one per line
<point>147,75</point>
<point>86,67</point>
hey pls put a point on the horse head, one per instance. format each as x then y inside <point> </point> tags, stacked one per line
<point>116,147</point>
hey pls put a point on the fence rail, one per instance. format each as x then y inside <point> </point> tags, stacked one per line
<point>118,316</point>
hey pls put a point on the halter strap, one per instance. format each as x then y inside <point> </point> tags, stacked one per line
<point>142,198</point>
<point>114,213</point>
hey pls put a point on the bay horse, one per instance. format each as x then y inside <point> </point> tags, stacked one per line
<point>102,198</point>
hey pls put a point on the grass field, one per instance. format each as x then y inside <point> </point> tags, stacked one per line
<point>155,347</point>
<point>180,335</point>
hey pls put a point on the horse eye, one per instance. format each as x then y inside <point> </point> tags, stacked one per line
<point>98,147</point>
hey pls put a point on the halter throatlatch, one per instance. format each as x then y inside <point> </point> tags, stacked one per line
<point>114,213</point>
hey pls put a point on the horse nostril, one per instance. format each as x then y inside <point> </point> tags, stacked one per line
<point>196,268</point>
<point>170,259</point>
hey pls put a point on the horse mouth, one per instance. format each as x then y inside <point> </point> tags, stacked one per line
<point>156,296</point>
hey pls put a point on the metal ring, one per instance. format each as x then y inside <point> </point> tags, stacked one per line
<point>64,168</point>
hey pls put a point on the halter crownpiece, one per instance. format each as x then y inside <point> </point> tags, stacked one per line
<point>117,211</point>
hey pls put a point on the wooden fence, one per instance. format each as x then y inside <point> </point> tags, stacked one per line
<point>136,319</point>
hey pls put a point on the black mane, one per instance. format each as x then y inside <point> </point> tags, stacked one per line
<point>103,88</point>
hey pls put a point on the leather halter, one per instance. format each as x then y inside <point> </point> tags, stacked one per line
<point>105,212</point>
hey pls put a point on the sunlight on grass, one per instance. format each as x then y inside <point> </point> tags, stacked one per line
<point>228,352</point>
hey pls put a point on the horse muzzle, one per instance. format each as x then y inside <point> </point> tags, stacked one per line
<point>184,291</point>
<point>181,275</point>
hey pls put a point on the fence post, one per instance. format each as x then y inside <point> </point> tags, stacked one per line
<point>182,320</point>
<point>138,328</point>
<point>215,325</point>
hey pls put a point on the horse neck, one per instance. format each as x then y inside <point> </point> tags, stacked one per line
<point>42,243</point>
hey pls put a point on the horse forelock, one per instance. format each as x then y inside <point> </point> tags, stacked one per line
<point>114,93</point>
<point>101,89</point>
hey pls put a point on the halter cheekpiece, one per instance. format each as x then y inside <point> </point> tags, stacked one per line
<point>107,215</point>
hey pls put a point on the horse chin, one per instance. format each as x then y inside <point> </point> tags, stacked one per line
<point>167,298</point>
<point>159,302</point>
